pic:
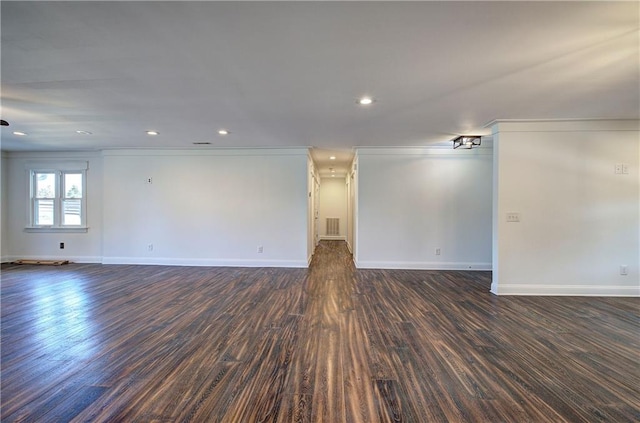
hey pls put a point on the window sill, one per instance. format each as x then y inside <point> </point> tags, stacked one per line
<point>53,229</point>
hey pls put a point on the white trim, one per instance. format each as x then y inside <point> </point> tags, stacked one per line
<point>416,265</point>
<point>57,229</point>
<point>333,237</point>
<point>54,164</point>
<point>73,259</point>
<point>213,151</point>
<point>567,290</point>
<point>563,125</point>
<point>168,261</point>
<point>54,155</point>
<point>440,150</point>
<point>490,123</point>
<point>60,169</point>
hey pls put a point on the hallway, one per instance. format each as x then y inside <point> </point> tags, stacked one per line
<point>326,344</point>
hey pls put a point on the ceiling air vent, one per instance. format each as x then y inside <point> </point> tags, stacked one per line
<point>202,143</point>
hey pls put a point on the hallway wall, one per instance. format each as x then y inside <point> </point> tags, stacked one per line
<point>333,204</point>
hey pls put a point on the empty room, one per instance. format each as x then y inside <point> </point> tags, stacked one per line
<point>320,211</point>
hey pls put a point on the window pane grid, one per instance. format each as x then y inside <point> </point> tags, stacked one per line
<point>72,185</point>
<point>71,212</point>
<point>44,212</point>
<point>57,198</point>
<point>45,185</point>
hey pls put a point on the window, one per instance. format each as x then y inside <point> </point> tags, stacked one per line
<point>58,198</point>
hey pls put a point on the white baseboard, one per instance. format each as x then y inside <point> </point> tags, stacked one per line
<point>415,265</point>
<point>333,238</point>
<point>567,290</point>
<point>164,261</point>
<point>73,259</point>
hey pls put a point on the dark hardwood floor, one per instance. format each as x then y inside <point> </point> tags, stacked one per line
<point>330,344</point>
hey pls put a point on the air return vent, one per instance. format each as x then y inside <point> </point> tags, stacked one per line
<point>333,226</point>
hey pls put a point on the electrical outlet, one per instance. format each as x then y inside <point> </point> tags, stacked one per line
<point>618,169</point>
<point>513,217</point>
<point>149,180</point>
<point>150,247</point>
<point>625,168</point>
<point>624,270</point>
<point>438,251</point>
<point>62,245</point>
<point>260,249</point>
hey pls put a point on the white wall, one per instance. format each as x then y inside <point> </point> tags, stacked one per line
<point>4,195</point>
<point>333,203</point>
<point>209,207</point>
<point>18,244</point>
<point>578,219</point>
<point>312,188</point>
<point>412,201</point>
<point>352,185</point>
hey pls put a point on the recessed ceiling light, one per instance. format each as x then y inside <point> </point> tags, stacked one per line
<point>333,171</point>
<point>19,133</point>
<point>223,132</point>
<point>83,132</point>
<point>333,176</point>
<point>153,132</point>
<point>365,101</point>
<point>332,158</point>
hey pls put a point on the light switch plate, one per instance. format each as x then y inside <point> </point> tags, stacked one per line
<point>513,217</point>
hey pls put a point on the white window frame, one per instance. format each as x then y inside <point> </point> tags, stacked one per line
<point>59,170</point>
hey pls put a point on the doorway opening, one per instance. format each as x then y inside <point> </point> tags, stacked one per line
<point>332,184</point>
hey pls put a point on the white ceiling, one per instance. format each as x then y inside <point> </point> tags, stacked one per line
<point>281,74</point>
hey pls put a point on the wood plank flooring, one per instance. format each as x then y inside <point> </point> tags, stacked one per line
<point>94,343</point>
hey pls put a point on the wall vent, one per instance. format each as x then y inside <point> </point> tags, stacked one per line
<point>333,226</point>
